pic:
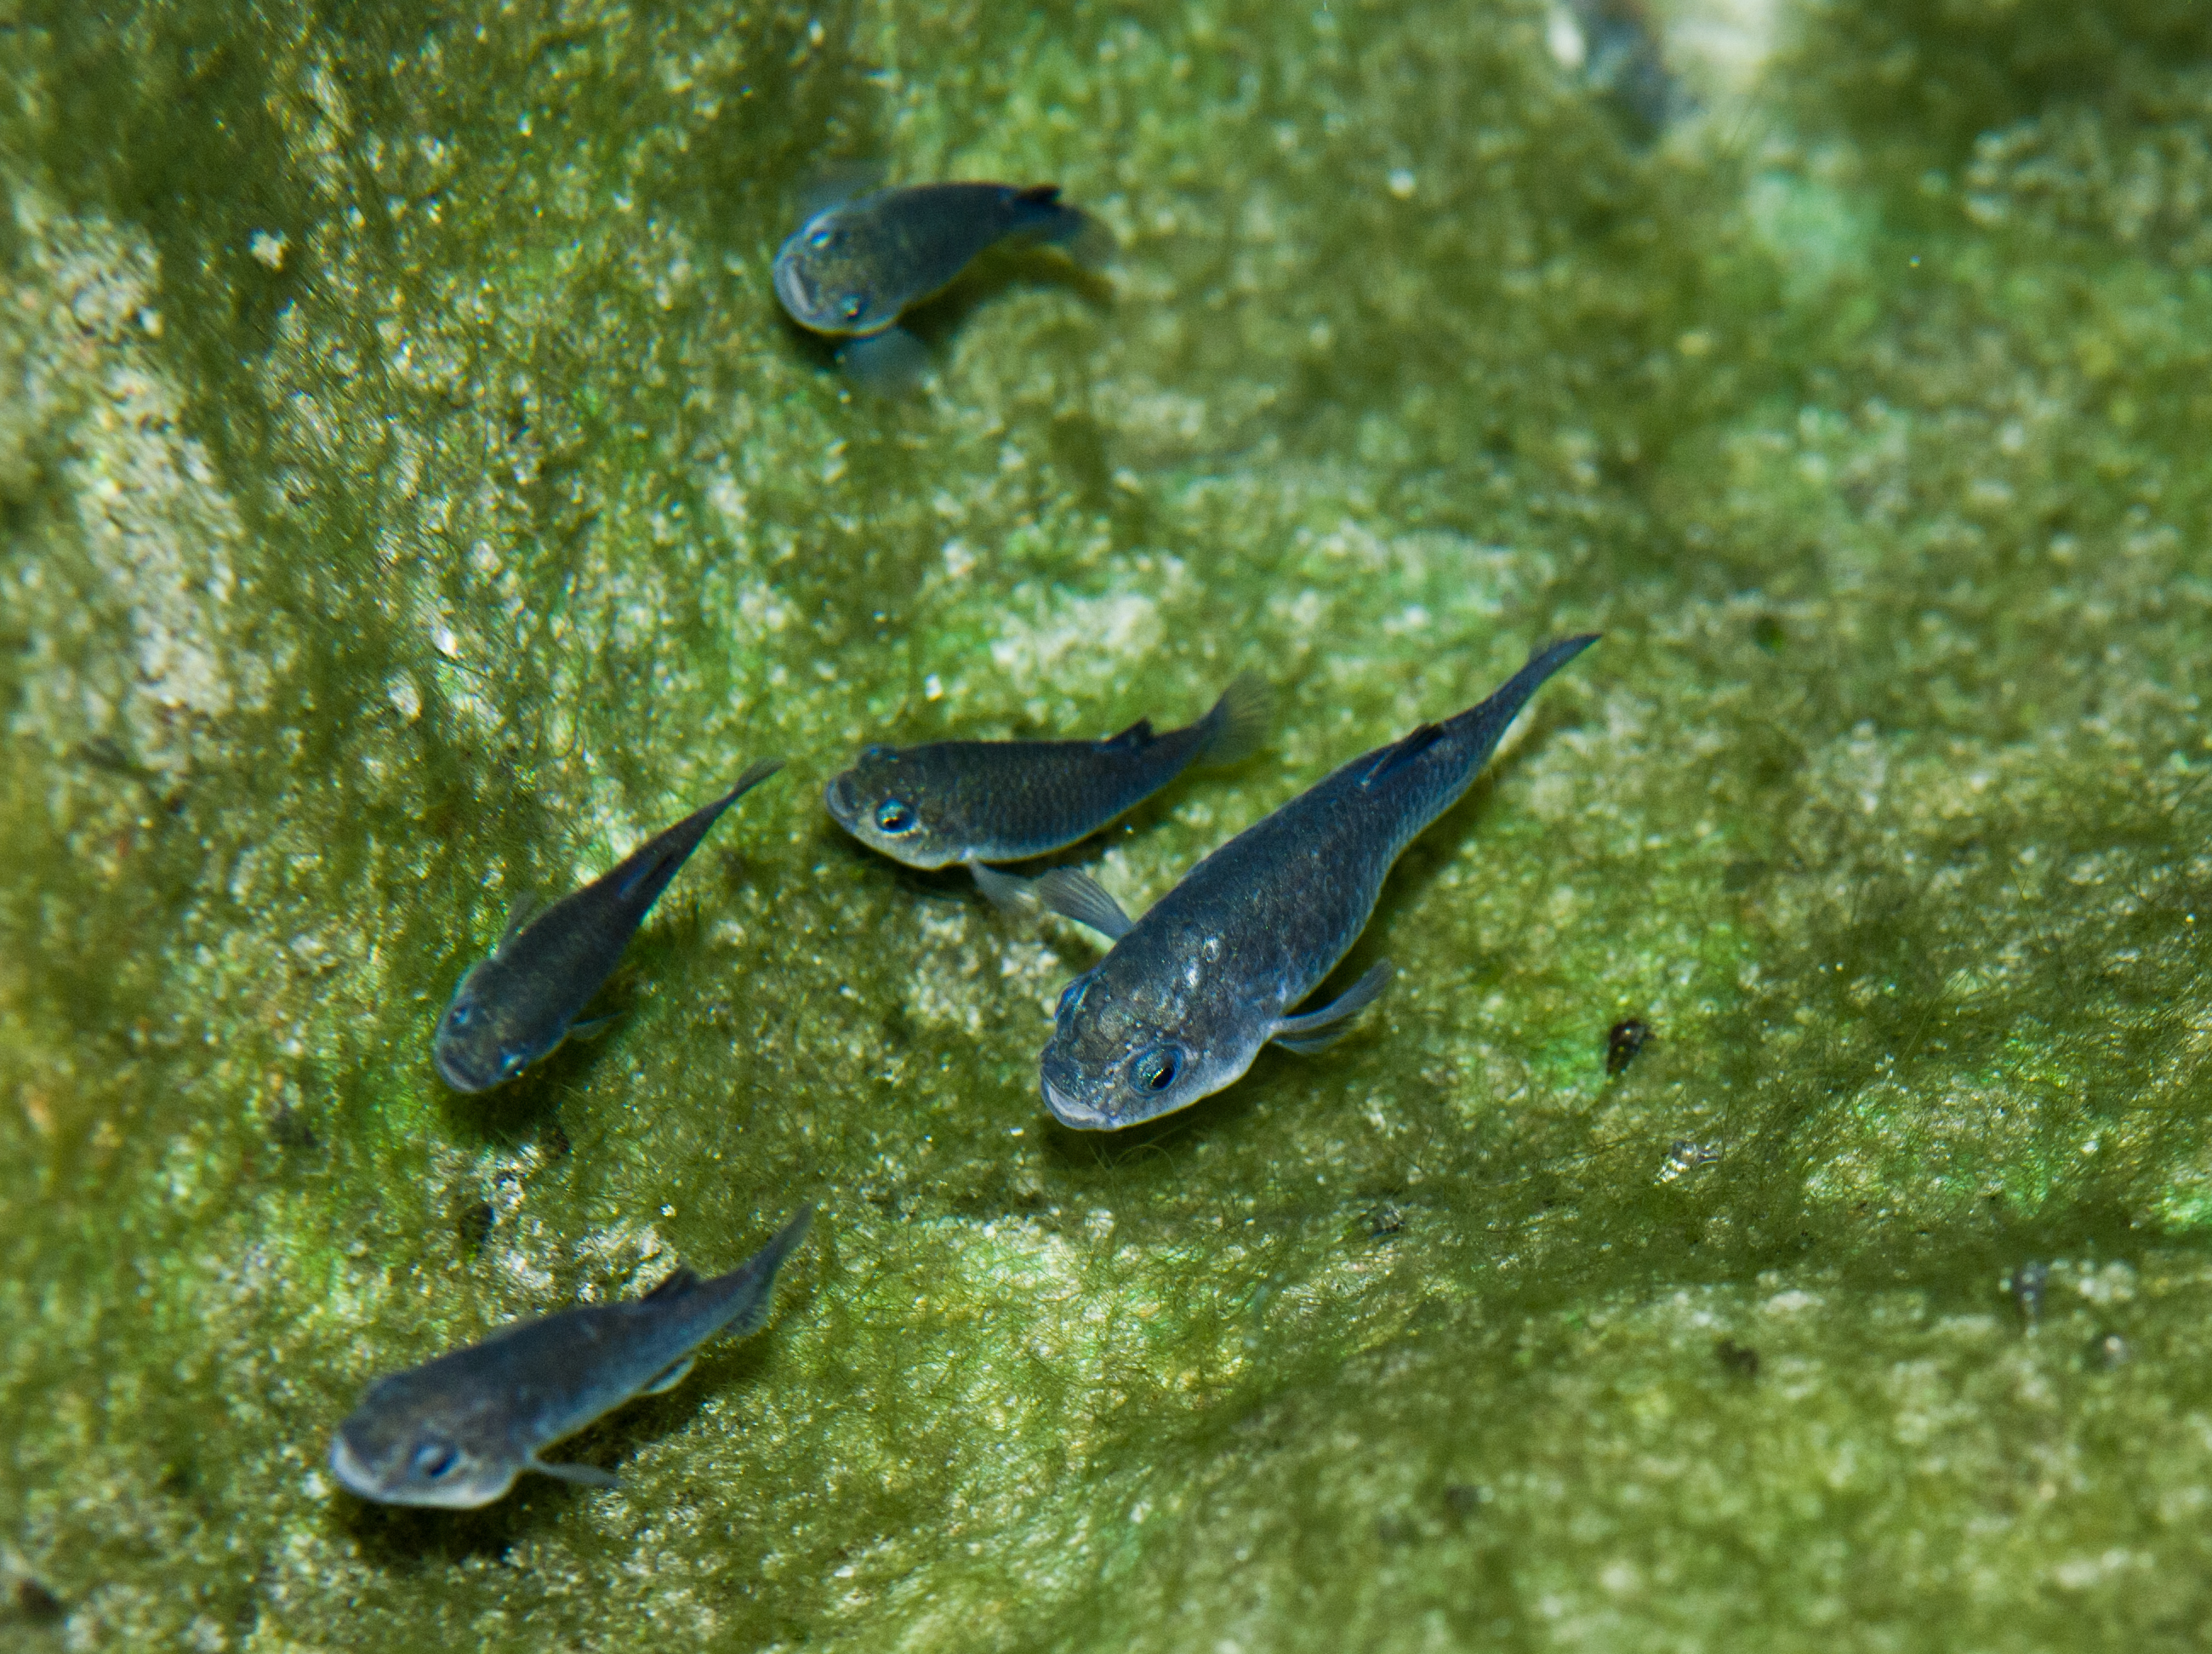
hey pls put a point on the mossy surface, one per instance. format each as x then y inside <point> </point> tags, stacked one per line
<point>410,498</point>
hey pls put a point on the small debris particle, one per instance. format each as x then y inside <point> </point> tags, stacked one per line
<point>1623,1041</point>
<point>473,1227</point>
<point>1384,1220</point>
<point>36,1603</point>
<point>1739,1360</point>
<point>268,250</point>
<point>1462,1498</point>
<point>2025,1284</point>
<point>2109,1350</point>
<point>1402,183</point>
<point>1684,1157</point>
<point>556,1141</point>
<point>288,1129</point>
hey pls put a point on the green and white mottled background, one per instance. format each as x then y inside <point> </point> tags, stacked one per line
<point>409,496</point>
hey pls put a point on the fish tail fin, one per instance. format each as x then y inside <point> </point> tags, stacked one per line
<point>1237,727</point>
<point>745,1290</point>
<point>646,871</point>
<point>1481,727</point>
<point>1042,216</point>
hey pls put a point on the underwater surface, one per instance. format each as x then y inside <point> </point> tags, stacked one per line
<point>412,497</point>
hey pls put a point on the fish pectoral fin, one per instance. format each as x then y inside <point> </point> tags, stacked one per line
<point>526,908</point>
<point>669,1379</point>
<point>1077,896</point>
<point>1009,892</point>
<point>584,1476</point>
<point>890,363</point>
<point>1324,1027</point>
<point>593,1027</point>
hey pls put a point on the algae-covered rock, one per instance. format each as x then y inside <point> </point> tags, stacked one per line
<point>411,497</point>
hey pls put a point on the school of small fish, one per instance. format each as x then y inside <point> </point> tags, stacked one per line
<point>1177,1008</point>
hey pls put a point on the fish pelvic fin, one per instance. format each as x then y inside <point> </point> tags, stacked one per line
<point>1237,727</point>
<point>1009,892</point>
<point>1077,896</point>
<point>675,1284</point>
<point>1318,1029</point>
<point>891,363</point>
<point>584,1476</point>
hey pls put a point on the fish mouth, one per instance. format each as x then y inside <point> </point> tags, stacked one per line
<point>1069,1112</point>
<point>353,1475</point>
<point>792,287</point>
<point>448,1063</point>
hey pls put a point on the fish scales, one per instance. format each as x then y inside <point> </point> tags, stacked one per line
<point>1193,989</point>
<point>456,1431</point>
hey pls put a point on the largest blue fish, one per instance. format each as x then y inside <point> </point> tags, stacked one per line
<point>1181,1005</point>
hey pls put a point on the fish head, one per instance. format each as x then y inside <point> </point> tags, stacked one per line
<point>826,274</point>
<point>409,1444</point>
<point>887,802</point>
<point>1115,1060</point>
<point>479,1042</point>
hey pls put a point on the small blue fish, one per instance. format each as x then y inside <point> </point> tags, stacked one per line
<point>455,1433</point>
<point>519,1004</point>
<point>1183,1002</point>
<point>975,802</point>
<point>852,268</point>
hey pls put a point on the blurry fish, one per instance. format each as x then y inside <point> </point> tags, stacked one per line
<point>851,268</point>
<point>455,1433</point>
<point>1183,1002</point>
<point>516,1006</point>
<point>978,802</point>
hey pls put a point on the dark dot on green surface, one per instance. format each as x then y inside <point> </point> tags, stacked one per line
<point>288,1129</point>
<point>473,1227</point>
<point>1766,632</point>
<point>1737,1360</point>
<point>1461,1499</point>
<point>36,1603</point>
<point>1622,1042</point>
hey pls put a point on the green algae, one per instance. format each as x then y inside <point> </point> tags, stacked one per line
<point>410,498</point>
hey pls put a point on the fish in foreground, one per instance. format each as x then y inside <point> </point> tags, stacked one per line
<point>852,268</point>
<point>455,1433</point>
<point>1188,995</point>
<point>975,802</point>
<point>516,1006</point>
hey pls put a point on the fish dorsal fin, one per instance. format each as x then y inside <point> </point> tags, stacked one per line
<point>1039,195</point>
<point>527,906</point>
<point>1139,734</point>
<point>674,1285</point>
<point>1402,752</point>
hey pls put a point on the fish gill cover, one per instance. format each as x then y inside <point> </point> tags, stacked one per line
<point>410,498</point>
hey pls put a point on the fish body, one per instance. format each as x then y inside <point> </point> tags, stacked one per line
<point>975,802</point>
<point>1183,1002</point>
<point>455,1433</point>
<point>516,1006</point>
<point>853,267</point>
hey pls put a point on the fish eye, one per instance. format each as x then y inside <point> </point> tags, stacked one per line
<point>433,1459</point>
<point>851,305</point>
<point>1155,1070</point>
<point>821,239</point>
<point>894,816</point>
